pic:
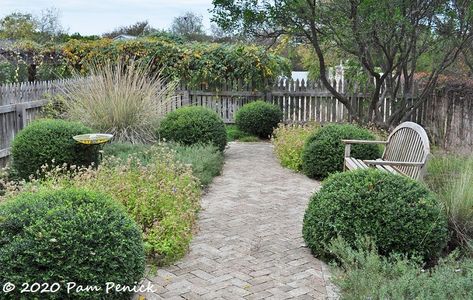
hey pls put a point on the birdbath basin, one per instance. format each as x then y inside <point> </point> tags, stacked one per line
<point>93,138</point>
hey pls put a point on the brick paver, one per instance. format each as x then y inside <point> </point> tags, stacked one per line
<point>249,244</point>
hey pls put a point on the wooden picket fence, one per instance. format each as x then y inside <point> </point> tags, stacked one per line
<point>300,102</point>
<point>20,104</point>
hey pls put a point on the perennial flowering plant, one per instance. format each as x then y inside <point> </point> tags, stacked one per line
<point>161,195</point>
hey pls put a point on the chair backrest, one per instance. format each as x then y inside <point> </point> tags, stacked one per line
<point>408,143</point>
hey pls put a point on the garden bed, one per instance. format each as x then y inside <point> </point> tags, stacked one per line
<point>342,222</point>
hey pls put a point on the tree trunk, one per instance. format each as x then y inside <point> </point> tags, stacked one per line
<point>32,72</point>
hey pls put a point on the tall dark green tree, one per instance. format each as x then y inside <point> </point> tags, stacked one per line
<point>386,37</point>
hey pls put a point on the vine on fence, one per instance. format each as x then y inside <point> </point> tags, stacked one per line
<point>195,63</point>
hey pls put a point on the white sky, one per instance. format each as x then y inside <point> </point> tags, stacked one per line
<point>99,16</point>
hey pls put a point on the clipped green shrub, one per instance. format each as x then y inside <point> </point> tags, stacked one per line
<point>399,214</point>
<point>323,151</point>
<point>258,118</point>
<point>193,125</point>
<point>69,235</point>
<point>45,140</point>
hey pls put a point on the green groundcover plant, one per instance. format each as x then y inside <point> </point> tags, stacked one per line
<point>364,274</point>
<point>206,161</point>
<point>235,134</point>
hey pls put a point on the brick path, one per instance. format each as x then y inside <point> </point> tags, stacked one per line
<point>249,243</point>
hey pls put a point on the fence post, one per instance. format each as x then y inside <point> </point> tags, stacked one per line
<point>20,110</point>
<point>269,96</point>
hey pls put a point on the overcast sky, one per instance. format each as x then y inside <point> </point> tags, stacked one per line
<point>99,16</point>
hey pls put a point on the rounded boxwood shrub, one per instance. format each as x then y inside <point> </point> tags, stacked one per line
<point>44,140</point>
<point>194,125</point>
<point>258,118</point>
<point>69,235</point>
<point>398,213</point>
<point>324,151</point>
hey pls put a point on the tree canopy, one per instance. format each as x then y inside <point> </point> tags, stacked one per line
<point>189,26</point>
<point>386,37</point>
<point>18,26</point>
<point>45,27</point>
<point>139,28</point>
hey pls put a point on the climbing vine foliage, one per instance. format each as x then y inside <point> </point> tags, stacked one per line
<point>194,63</point>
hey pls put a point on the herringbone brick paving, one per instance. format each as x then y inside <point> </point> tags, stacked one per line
<point>249,244</point>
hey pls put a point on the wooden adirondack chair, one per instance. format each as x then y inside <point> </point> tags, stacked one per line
<point>407,151</point>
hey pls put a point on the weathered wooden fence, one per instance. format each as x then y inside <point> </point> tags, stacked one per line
<point>449,119</point>
<point>19,105</point>
<point>300,101</point>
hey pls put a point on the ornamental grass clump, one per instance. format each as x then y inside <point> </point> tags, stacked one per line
<point>451,177</point>
<point>124,99</point>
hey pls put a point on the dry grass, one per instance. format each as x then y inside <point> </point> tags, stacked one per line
<point>451,177</point>
<point>124,99</point>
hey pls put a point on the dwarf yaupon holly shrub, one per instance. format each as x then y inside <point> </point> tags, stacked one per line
<point>45,140</point>
<point>66,236</point>
<point>258,118</point>
<point>399,214</point>
<point>323,152</point>
<point>193,125</point>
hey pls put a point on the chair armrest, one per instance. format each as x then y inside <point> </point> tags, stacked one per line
<point>393,163</point>
<point>363,142</point>
<point>348,144</point>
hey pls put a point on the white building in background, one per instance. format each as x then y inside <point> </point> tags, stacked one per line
<point>300,75</point>
<point>336,74</point>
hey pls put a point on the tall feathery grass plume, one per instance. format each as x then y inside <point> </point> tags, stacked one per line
<point>126,99</point>
<point>451,177</point>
